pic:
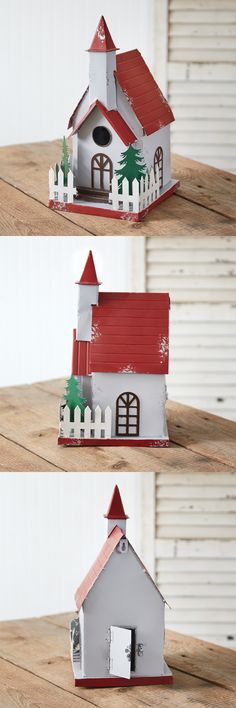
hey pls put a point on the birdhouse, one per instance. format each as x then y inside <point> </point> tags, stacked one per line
<point>119,164</point>
<point>117,637</point>
<point>116,394</point>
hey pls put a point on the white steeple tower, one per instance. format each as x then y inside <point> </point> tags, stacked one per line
<point>88,296</point>
<point>102,65</point>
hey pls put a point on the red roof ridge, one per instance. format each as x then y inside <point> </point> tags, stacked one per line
<point>99,564</point>
<point>102,41</point>
<point>116,509</point>
<point>89,275</point>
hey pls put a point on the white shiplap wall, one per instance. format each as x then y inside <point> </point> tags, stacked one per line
<point>195,553</point>
<point>201,279</point>
<point>196,64</point>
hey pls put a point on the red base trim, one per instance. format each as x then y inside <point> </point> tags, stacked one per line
<point>137,681</point>
<point>109,213</point>
<point>112,442</point>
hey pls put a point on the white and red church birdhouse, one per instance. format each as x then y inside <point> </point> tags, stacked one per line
<point>116,394</point>
<point>120,139</point>
<point>117,638</point>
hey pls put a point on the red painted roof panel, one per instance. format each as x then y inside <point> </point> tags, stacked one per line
<point>99,565</point>
<point>142,91</point>
<point>117,322</point>
<point>130,334</point>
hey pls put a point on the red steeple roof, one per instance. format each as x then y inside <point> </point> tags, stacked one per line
<point>89,275</point>
<point>116,509</point>
<point>102,41</point>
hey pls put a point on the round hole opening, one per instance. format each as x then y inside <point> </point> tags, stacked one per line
<point>101,136</point>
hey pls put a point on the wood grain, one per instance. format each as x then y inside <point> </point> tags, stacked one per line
<point>11,453</point>
<point>28,420</point>
<point>205,205</point>
<point>22,216</point>
<point>35,669</point>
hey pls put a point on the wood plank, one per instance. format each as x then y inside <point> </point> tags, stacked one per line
<point>202,432</point>
<point>13,455</point>
<point>18,166</point>
<point>41,647</point>
<point>28,417</point>
<point>206,185</point>
<point>22,216</point>
<point>21,688</point>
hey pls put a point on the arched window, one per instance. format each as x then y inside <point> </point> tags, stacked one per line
<point>127,415</point>
<point>158,162</point>
<point>101,172</point>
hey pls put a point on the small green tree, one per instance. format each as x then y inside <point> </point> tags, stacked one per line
<point>65,160</point>
<point>73,397</point>
<point>132,166</point>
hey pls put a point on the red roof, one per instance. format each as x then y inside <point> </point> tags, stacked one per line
<point>130,334</point>
<point>115,120</point>
<point>89,275</point>
<point>116,509</point>
<point>99,565</point>
<point>102,41</point>
<point>142,91</point>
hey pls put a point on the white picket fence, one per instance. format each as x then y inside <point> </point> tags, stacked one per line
<point>88,428</point>
<point>143,193</point>
<point>61,192</point>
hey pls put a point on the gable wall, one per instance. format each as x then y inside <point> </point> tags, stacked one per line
<point>86,147</point>
<point>150,389</point>
<point>123,596</point>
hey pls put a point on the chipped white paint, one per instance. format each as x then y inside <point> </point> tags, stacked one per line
<point>59,191</point>
<point>142,194</point>
<point>89,427</point>
<point>102,86</point>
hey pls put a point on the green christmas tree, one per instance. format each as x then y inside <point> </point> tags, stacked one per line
<point>73,397</point>
<point>132,166</point>
<point>65,161</point>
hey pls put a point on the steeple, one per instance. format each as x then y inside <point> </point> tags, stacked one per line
<point>88,296</point>
<point>116,515</point>
<point>102,67</point>
<point>102,41</point>
<point>89,275</point>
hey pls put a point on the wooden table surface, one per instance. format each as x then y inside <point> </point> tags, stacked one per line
<point>200,442</point>
<point>204,204</point>
<point>35,670</point>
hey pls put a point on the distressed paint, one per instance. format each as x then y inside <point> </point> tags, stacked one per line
<point>151,391</point>
<point>102,66</point>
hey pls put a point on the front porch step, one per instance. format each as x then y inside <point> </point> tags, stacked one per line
<point>92,195</point>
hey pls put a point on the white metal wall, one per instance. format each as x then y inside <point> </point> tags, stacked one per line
<point>196,553</point>
<point>196,61</point>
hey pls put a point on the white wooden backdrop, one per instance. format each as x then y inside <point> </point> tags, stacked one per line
<point>195,48</point>
<point>195,553</point>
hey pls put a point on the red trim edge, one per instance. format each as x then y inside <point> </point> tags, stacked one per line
<point>112,442</point>
<point>137,681</point>
<point>109,213</point>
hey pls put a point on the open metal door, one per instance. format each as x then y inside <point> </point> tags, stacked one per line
<point>120,652</point>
